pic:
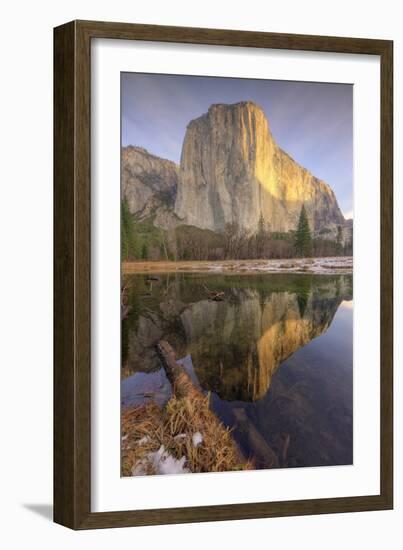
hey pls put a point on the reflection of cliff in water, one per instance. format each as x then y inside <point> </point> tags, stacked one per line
<point>236,345</point>
<point>236,348</point>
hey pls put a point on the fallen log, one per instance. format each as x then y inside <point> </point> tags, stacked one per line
<point>186,431</point>
<point>265,456</point>
<point>182,385</point>
<point>216,295</point>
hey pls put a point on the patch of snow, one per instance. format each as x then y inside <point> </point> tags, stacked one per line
<point>165,464</point>
<point>331,265</point>
<point>144,440</point>
<point>125,437</point>
<point>197,438</point>
<point>162,462</point>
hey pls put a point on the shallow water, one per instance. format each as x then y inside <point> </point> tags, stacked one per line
<point>276,355</point>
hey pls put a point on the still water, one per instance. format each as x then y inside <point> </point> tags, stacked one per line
<point>276,354</point>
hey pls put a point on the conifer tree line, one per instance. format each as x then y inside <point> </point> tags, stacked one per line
<point>141,240</point>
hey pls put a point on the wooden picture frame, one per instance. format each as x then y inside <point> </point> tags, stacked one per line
<point>72,271</point>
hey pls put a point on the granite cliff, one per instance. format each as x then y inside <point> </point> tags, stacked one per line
<point>232,164</point>
<point>231,170</point>
<point>149,183</point>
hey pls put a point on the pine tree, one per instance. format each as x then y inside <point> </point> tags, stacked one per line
<point>128,233</point>
<point>303,237</point>
<point>339,240</point>
<point>144,252</point>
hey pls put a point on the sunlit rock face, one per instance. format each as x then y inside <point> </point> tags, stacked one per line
<point>232,170</point>
<point>149,183</point>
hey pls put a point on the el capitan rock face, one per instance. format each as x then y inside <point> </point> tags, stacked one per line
<point>232,170</point>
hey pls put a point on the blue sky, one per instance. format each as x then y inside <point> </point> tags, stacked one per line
<point>312,122</point>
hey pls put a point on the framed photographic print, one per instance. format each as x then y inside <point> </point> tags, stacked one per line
<point>223,275</point>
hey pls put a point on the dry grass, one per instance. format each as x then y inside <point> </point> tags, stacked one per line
<point>141,434</point>
<point>146,428</point>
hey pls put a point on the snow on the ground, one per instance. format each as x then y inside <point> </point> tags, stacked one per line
<point>144,440</point>
<point>331,265</point>
<point>197,438</point>
<point>216,267</point>
<point>162,462</point>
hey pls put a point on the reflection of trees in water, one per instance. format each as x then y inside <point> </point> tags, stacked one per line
<point>303,294</point>
<point>236,345</point>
